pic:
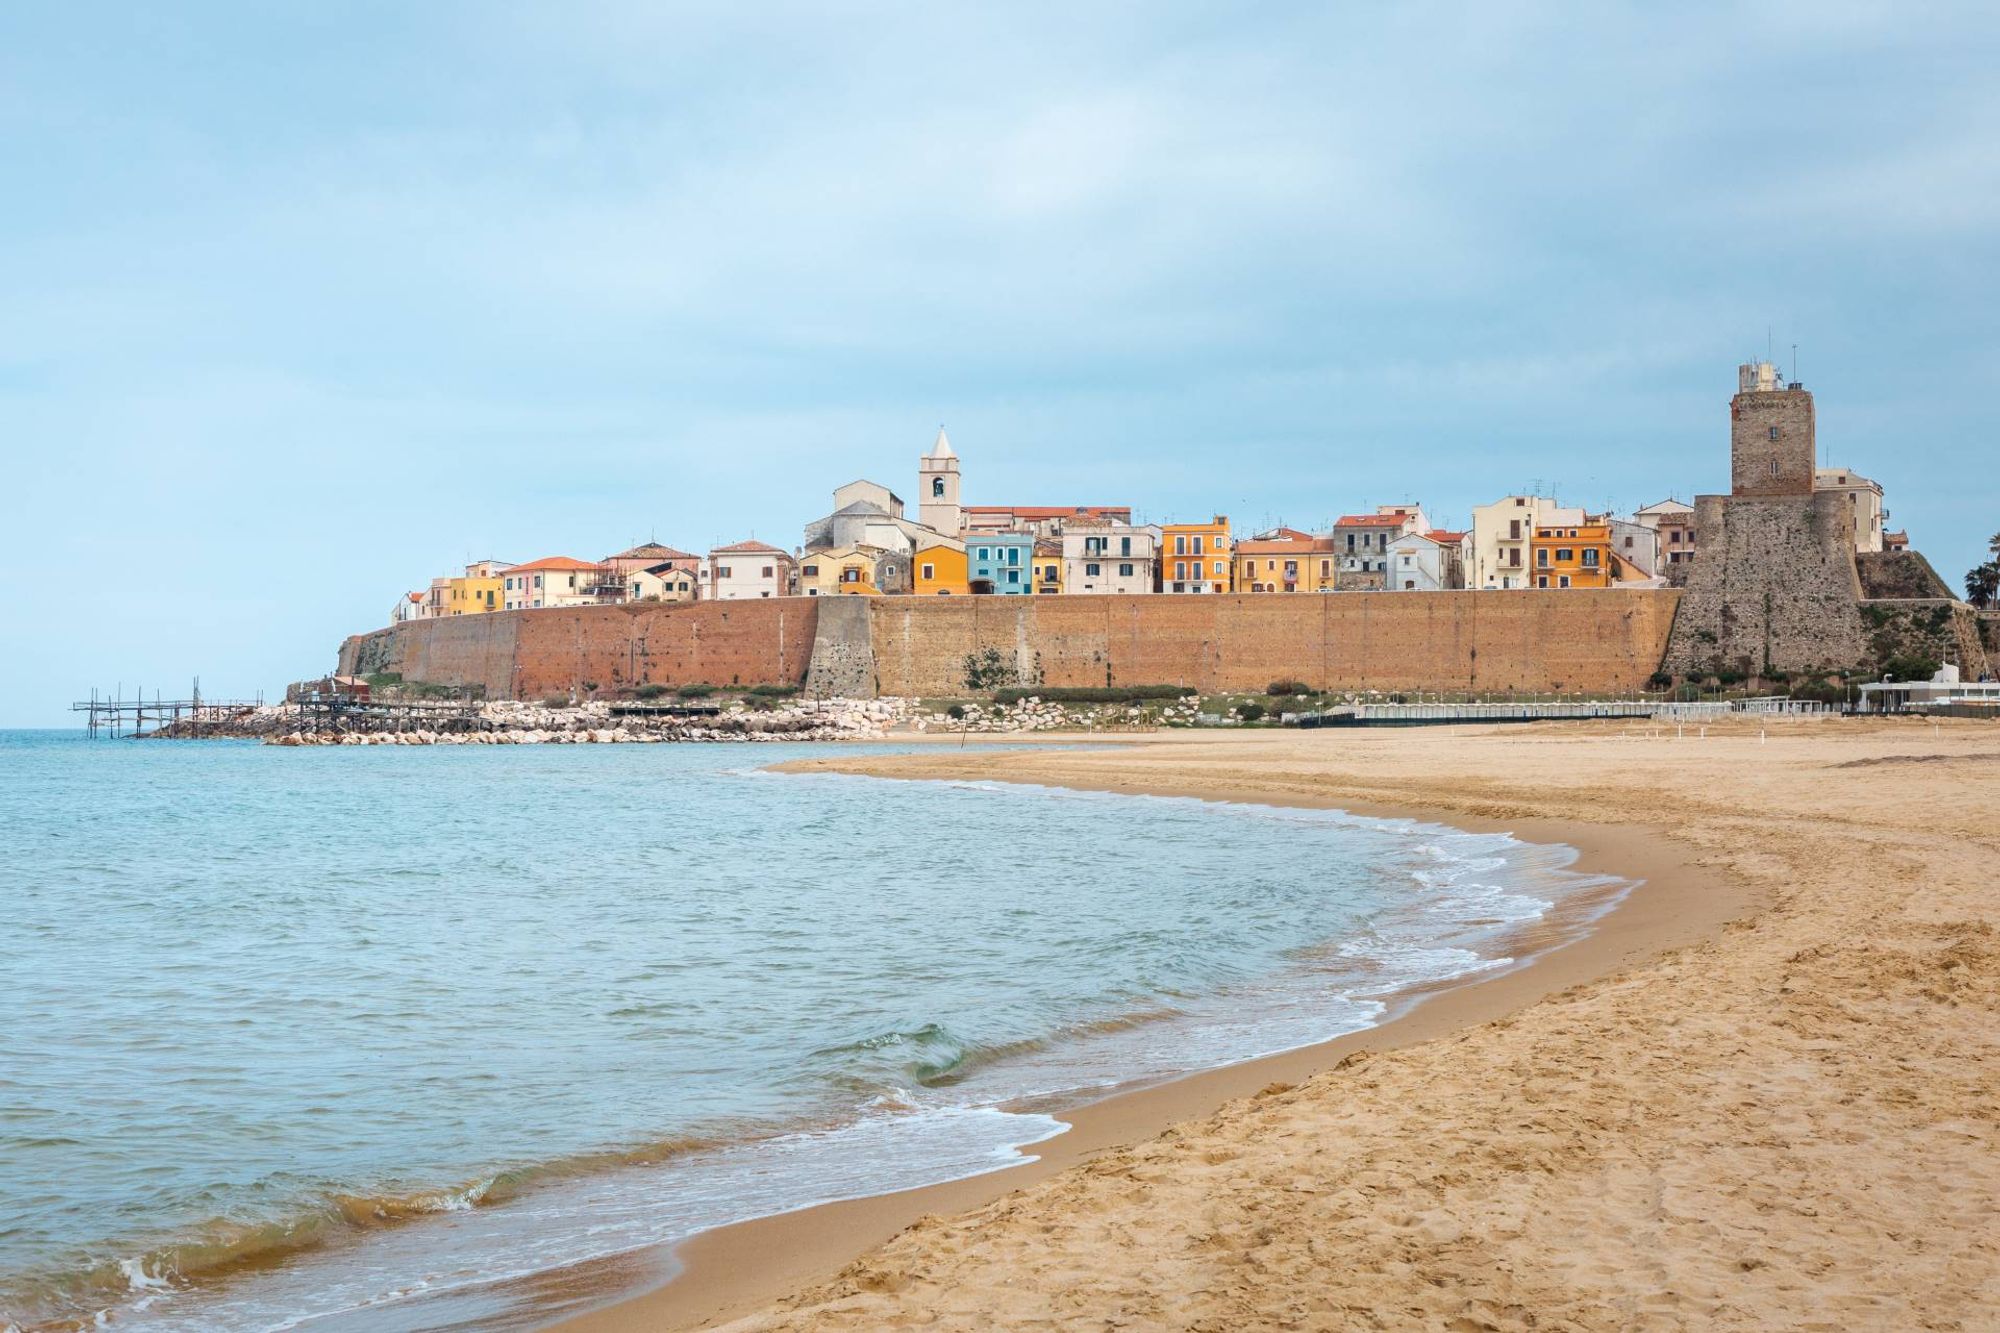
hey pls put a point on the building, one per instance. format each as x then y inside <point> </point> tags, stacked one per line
<point>1194,557</point>
<point>1040,520</point>
<point>1048,565</point>
<point>1100,557</point>
<point>1502,534</point>
<point>473,596</point>
<point>1636,545</point>
<point>650,555</point>
<point>937,473</point>
<point>1863,499</point>
<point>748,571</point>
<point>1896,541</point>
<point>1000,562</point>
<point>941,571</point>
<point>1573,555</point>
<point>1672,522</point>
<point>1285,560</point>
<point>664,582</point>
<point>1361,544</point>
<point>867,513</point>
<point>849,571</point>
<point>1426,562</point>
<point>556,580</point>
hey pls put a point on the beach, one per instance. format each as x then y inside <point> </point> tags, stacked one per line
<point>1761,1093</point>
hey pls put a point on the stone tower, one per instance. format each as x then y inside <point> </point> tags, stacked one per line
<point>1771,445</point>
<point>937,480</point>
<point>1773,587</point>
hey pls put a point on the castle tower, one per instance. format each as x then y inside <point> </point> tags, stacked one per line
<point>937,481</point>
<point>1771,443</point>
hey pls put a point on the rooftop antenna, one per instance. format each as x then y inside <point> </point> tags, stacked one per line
<point>1795,363</point>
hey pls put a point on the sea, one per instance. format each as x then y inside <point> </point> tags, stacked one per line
<point>362,1037</point>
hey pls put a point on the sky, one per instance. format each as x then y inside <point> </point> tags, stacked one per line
<point>303,305</point>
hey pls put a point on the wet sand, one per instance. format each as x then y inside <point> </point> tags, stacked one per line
<point>1762,1093</point>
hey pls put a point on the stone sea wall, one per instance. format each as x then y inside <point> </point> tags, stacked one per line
<point>1598,641</point>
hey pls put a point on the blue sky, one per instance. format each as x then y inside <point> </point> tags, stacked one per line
<point>305,304</point>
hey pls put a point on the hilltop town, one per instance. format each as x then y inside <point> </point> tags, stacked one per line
<point>869,546</point>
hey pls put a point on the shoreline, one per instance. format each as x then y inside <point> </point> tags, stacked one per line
<point>728,1272</point>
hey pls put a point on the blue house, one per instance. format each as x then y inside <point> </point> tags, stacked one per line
<point>1000,562</point>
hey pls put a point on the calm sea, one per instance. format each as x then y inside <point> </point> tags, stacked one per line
<point>343,1038</point>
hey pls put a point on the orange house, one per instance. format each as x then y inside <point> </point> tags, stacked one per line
<point>1285,561</point>
<point>1194,557</point>
<point>1572,556</point>
<point>940,571</point>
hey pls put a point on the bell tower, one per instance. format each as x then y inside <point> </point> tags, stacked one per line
<point>937,482</point>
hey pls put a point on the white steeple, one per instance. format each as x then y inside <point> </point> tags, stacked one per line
<point>937,493</point>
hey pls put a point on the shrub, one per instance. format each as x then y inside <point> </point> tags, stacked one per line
<point>988,670</point>
<point>774,691</point>
<point>955,712</point>
<point>1282,688</point>
<point>1660,680</point>
<point>1092,694</point>
<point>650,691</point>
<point>695,691</point>
<point>555,701</point>
<point>1250,712</point>
<point>1910,666</point>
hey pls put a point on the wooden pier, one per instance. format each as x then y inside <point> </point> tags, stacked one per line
<point>112,714</point>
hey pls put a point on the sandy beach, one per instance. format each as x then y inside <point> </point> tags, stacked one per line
<point>1762,1094</point>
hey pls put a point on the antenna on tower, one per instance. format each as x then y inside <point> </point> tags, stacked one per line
<point>1795,363</point>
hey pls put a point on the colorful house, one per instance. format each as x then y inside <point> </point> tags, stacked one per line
<point>941,571</point>
<point>1576,555</point>
<point>1048,565</point>
<point>1000,562</point>
<point>664,582</point>
<point>473,596</point>
<point>556,580</point>
<point>847,571</point>
<point>1285,560</point>
<point>1194,557</point>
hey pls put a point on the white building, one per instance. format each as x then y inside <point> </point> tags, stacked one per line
<point>1672,522</point>
<point>1864,503</point>
<point>1425,562</point>
<point>1110,558</point>
<point>1636,544</point>
<point>1502,534</point>
<point>747,571</point>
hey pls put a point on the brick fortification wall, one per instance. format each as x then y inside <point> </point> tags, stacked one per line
<point>531,654</point>
<point>1607,641</point>
<point>1602,641</point>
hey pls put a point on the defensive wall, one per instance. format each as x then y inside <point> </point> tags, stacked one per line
<point>1594,640</point>
<point>561,650</point>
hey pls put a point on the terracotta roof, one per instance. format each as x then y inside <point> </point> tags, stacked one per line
<point>651,551</point>
<point>555,562</point>
<point>1301,545</point>
<point>1048,511</point>
<point>1370,520</point>
<point>747,548</point>
<point>1444,537</point>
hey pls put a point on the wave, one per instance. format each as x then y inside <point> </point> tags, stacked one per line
<point>81,1295</point>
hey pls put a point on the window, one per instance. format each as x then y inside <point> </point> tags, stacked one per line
<point>1125,571</point>
<point>1774,432</point>
<point>810,571</point>
<point>722,571</point>
<point>1541,580</point>
<point>1090,571</point>
<point>1542,559</point>
<point>1514,557</point>
<point>1774,462</point>
<point>937,488</point>
<point>1590,557</point>
<point>767,571</point>
<point>929,572</point>
<point>1197,544</point>
<point>1350,542</point>
<point>1562,580</point>
<point>1180,545</point>
<point>1013,576</point>
<point>1406,562</point>
<point>1324,568</point>
<point>1514,530</point>
<point>1124,546</point>
<point>984,554</point>
<point>1220,569</point>
<point>1565,554</point>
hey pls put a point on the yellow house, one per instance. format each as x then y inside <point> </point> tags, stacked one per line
<point>941,571</point>
<point>1048,565</point>
<point>1194,557</point>
<point>844,571</point>
<point>472,596</point>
